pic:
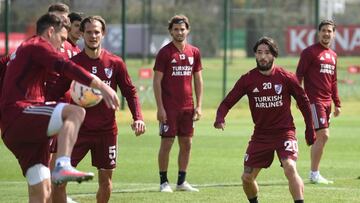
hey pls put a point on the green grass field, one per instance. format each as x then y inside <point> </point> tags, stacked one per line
<point>216,163</point>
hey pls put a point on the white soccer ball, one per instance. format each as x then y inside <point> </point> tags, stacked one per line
<point>83,95</point>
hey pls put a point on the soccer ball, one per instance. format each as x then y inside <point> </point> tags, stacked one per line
<point>83,95</point>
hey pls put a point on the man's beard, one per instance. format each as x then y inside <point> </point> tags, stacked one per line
<point>265,67</point>
<point>92,48</point>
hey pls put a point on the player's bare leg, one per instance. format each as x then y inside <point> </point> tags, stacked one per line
<point>184,152</point>
<point>58,193</point>
<point>317,150</point>
<point>250,185</point>
<point>296,185</point>
<point>165,148</point>
<point>163,161</point>
<point>183,162</point>
<point>72,117</point>
<point>105,185</point>
<point>40,192</point>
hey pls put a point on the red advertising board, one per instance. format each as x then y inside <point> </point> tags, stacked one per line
<point>15,39</point>
<point>347,39</point>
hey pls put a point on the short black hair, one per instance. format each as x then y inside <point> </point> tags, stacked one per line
<point>50,20</point>
<point>271,44</point>
<point>75,16</point>
<point>327,22</point>
<point>90,19</point>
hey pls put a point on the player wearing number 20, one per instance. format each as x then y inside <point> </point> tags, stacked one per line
<point>269,89</point>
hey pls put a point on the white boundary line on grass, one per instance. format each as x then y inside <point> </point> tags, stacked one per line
<point>152,187</point>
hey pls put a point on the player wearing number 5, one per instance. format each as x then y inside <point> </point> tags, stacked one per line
<point>269,89</point>
<point>98,133</point>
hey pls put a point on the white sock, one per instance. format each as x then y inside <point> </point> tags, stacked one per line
<point>63,161</point>
<point>315,173</point>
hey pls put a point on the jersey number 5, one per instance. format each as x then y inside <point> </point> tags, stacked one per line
<point>112,152</point>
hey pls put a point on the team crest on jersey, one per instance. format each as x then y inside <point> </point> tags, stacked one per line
<point>278,88</point>
<point>108,72</point>
<point>163,128</point>
<point>191,60</point>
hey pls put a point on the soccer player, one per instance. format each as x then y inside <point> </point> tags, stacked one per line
<point>28,122</point>
<point>269,89</point>
<point>98,133</point>
<point>176,65</point>
<point>74,35</point>
<point>317,68</point>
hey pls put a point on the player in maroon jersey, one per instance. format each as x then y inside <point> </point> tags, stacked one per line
<point>98,132</point>
<point>176,65</point>
<point>28,122</point>
<point>317,68</point>
<point>74,34</point>
<point>3,65</point>
<point>269,89</point>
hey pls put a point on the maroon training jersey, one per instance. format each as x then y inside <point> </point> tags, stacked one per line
<point>26,73</point>
<point>269,100</point>
<point>3,64</point>
<point>317,67</point>
<point>69,49</point>
<point>111,69</point>
<point>178,69</point>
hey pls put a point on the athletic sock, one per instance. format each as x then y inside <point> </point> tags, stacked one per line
<point>163,177</point>
<point>315,173</point>
<point>253,200</point>
<point>299,201</point>
<point>63,161</point>
<point>181,177</point>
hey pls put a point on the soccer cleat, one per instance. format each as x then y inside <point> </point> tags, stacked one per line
<point>62,174</point>
<point>70,200</point>
<point>320,180</point>
<point>165,187</point>
<point>186,187</point>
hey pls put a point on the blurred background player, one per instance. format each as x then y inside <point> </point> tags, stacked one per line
<point>28,122</point>
<point>175,66</point>
<point>98,132</point>
<point>269,89</point>
<point>74,35</point>
<point>317,68</point>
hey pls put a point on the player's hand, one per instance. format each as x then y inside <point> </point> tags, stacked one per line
<point>138,127</point>
<point>161,115</point>
<point>219,126</point>
<point>337,111</point>
<point>310,136</point>
<point>109,95</point>
<point>197,114</point>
